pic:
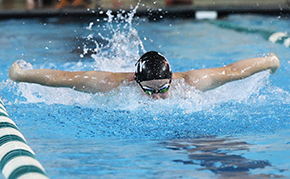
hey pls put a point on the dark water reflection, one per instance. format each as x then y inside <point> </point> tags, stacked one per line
<point>219,155</point>
<point>207,157</point>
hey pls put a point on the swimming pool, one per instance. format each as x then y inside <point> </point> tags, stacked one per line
<point>238,130</point>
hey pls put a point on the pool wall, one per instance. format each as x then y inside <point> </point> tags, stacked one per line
<point>154,10</point>
<point>17,158</point>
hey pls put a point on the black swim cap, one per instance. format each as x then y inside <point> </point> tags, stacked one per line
<point>152,66</point>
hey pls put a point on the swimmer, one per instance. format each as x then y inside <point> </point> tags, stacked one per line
<point>152,74</point>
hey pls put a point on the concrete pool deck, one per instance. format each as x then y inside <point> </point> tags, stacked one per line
<point>150,8</point>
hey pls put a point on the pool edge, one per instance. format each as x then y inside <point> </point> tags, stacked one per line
<point>153,14</point>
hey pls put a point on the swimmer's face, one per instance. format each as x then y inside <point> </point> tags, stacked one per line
<point>156,88</point>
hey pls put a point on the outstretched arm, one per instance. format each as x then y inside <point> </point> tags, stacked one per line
<point>86,81</point>
<point>206,79</point>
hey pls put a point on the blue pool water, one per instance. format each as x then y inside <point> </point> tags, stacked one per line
<point>238,130</point>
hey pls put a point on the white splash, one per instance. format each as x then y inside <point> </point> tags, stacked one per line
<point>24,65</point>
<point>122,47</point>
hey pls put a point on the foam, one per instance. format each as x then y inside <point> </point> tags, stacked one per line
<point>123,46</point>
<point>130,97</point>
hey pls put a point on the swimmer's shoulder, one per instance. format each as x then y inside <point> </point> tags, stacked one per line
<point>123,76</point>
<point>192,77</point>
<point>116,75</point>
<point>185,75</point>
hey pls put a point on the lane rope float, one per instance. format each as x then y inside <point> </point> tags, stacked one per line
<point>18,160</point>
<point>280,37</point>
<point>274,37</point>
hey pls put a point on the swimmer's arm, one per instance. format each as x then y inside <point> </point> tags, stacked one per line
<point>85,81</point>
<point>206,79</point>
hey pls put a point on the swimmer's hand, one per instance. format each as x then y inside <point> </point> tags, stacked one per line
<point>15,72</point>
<point>275,63</point>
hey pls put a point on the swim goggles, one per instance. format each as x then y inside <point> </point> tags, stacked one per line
<point>151,91</point>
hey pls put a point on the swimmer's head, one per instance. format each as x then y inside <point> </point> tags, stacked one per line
<point>152,66</point>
